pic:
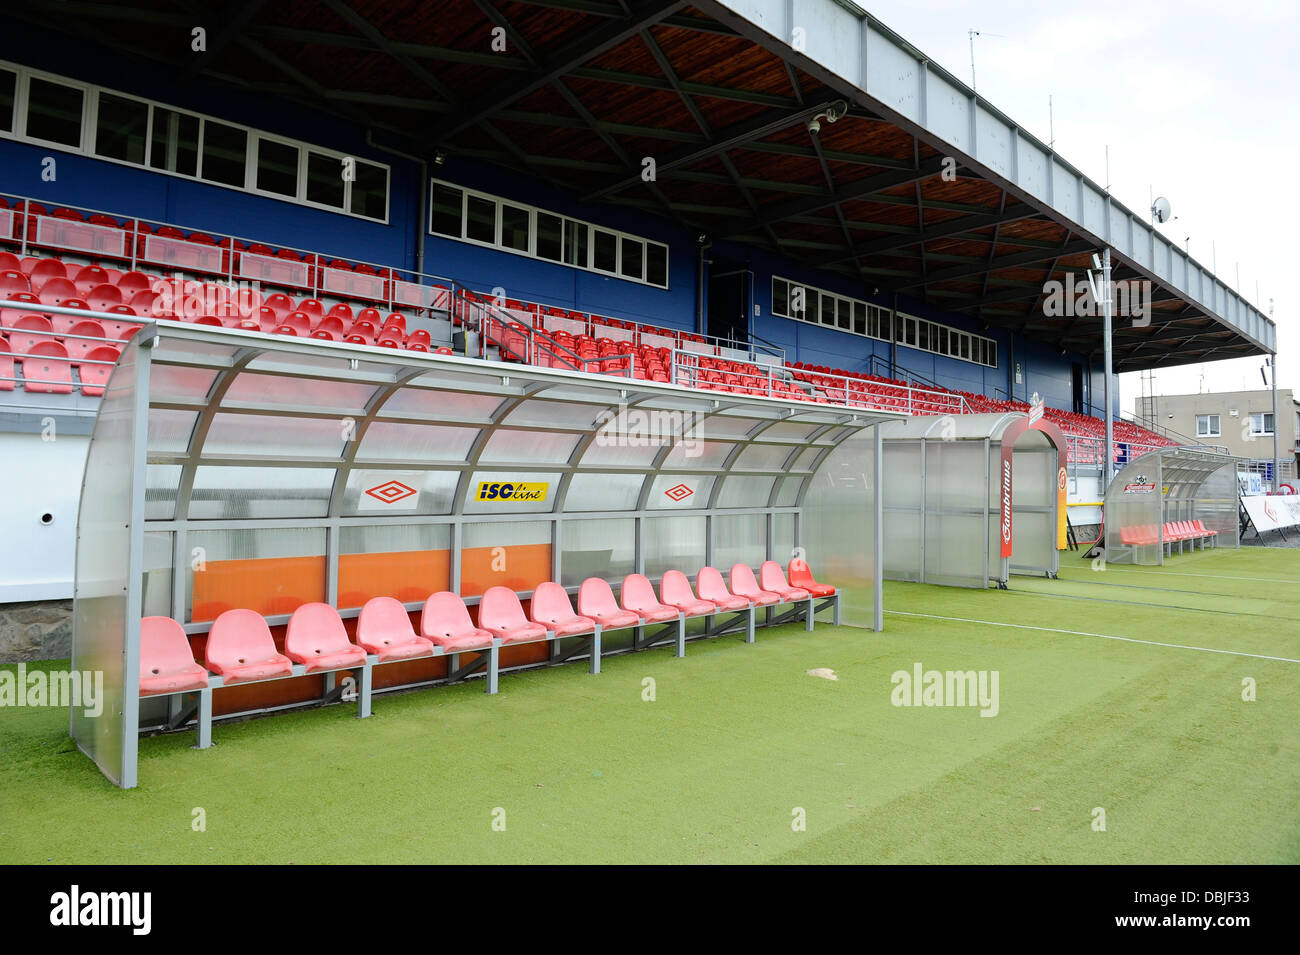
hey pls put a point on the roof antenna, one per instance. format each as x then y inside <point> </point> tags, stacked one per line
<point>1051,124</point>
<point>972,34</point>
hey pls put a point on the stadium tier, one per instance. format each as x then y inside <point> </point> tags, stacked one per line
<point>55,353</point>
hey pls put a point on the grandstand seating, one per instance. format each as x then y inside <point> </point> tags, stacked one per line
<point>325,307</point>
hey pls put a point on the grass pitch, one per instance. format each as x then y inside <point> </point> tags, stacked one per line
<point>739,743</point>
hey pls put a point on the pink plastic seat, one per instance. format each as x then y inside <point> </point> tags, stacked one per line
<point>501,614</point>
<point>317,638</point>
<point>552,609</point>
<point>166,660</point>
<point>384,629</point>
<point>772,578</point>
<point>639,598</point>
<point>743,584</point>
<point>675,591</point>
<point>596,600</point>
<point>801,576</point>
<point>240,649</point>
<point>710,587</point>
<point>445,621</point>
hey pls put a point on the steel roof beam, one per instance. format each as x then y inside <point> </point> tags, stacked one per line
<point>573,54</point>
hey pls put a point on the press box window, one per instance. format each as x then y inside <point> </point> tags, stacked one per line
<point>447,211</point>
<point>633,262</point>
<point>225,152</point>
<point>325,180</point>
<point>656,264</point>
<point>481,220</point>
<point>8,84</point>
<point>514,228</point>
<point>550,237</point>
<point>174,142</point>
<point>277,168</point>
<point>576,243</point>
<point>121,125</point>
<point>370,191</point>
<point>54,112</point>
<point>606,259</point>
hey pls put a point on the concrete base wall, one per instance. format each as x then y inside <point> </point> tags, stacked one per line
<point>37,630</point>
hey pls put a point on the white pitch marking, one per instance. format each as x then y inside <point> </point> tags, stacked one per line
<point>1179,573</point>
<point>1104,636</point>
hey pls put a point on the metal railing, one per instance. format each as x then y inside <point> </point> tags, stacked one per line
<point>700,371</point>
<point>257,263</point>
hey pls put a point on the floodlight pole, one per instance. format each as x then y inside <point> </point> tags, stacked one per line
<point>1277,461</point>
<point>1108,461</point>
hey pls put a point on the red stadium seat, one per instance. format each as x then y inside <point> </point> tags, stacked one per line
<point>772,578</point>
<point>94,378</point>
<point>46,369</point>
<point>596,601</point>
<point>6,365</point>
<point>501,614</point>
<point>801,576</point>
<point>93,333</point>
<point>445,621</point>
<point>240,649</point>
<point>87,277</point>
<point>743,584</point>
<point>43,270</point>
<point>12,282</point>
<point>9,261</point>
<point>675,591</point>
<point>710,587</point>
<point>56,291</point>
<point>384,629</point>
<point>132,282</point>
<point>28,330</point>
<point>102,297</point>
<point>551,608</point>
<point>639,598</point>
<point>317,639</point>
<point>166,660</point>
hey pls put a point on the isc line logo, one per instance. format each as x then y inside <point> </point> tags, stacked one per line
<point>511,491</point>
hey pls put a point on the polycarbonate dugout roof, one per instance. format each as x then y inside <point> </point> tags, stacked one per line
<point>246,426</point>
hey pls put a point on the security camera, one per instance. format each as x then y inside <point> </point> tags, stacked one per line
<point>813,126</point>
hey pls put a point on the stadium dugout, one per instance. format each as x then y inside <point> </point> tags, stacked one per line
<point>1170,501</point>
<point>971,499</point>
<point>257,482</point>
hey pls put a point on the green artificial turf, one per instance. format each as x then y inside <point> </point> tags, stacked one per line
<point>739,737</point>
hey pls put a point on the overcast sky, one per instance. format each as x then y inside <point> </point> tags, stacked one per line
<point>1198,100</point>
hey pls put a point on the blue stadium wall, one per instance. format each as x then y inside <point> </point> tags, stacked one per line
<point>87,182</point>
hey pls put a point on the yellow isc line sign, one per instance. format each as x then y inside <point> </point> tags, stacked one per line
<point>512,491</point>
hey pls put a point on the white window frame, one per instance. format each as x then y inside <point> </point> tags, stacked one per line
<point>89,137</point>
<point>905,330</point>
<point>1211,421</point>
<point>531,252</point>
<point>1260,416</point>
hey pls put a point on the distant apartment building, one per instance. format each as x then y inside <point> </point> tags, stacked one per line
<point>1241,421</point>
